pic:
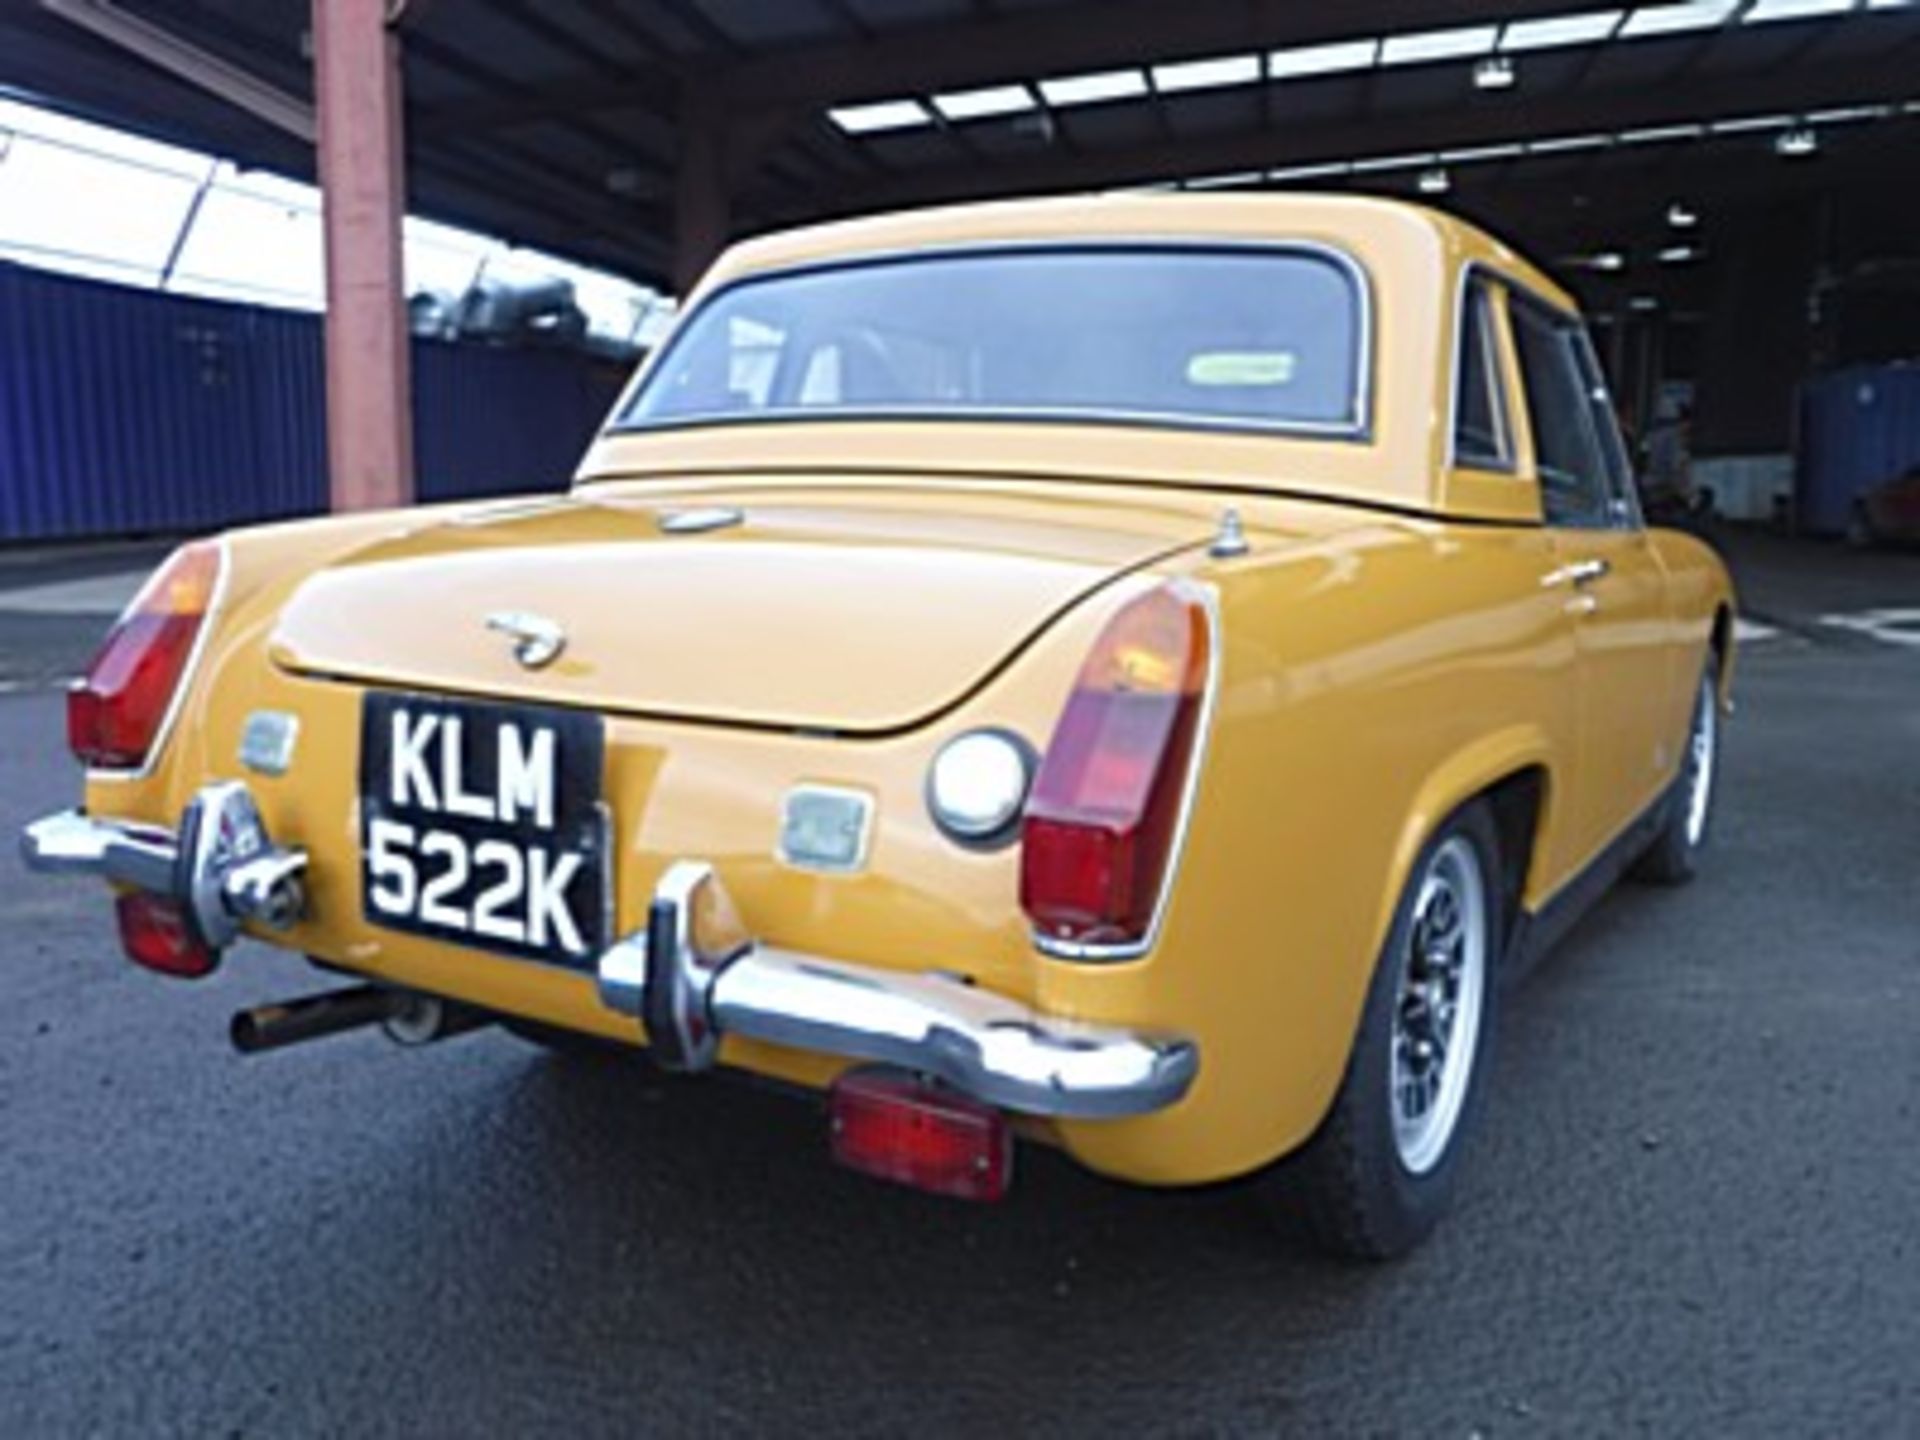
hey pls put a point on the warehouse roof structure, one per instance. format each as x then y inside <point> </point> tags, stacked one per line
<point>1722,160</point>
<point>633,133</point>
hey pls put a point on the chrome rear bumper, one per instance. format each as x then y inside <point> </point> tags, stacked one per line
<point>712,978</point>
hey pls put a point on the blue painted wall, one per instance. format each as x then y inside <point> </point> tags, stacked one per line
<point>125,412</point>
<point>1858,428</point>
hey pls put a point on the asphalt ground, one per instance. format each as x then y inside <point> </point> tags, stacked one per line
<point>1691,1210</point>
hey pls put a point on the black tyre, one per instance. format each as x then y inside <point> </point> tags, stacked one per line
<point>1380,1171</point>
<point>1674,856</point>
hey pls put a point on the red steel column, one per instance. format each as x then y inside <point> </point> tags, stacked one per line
<point>356,59</point>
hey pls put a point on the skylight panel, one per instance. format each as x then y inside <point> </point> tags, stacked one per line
<point>101,140</point>
<point>1765,10</point>
<point>1245,179</point>
<point>1587,28</point>
<point>1094,88</point>
<point>1207,74</point>
<point>985,103</point>
<point>1429,45</point>
<point>1660,134</point>
<point>878,116</point>
<point>1305,60</point>
<point>1849,114</point>
<point>1567,144</point>
<point>1677,19</point>
<point>1475,153</point>
<point>1309,172</point>
<point>1749,123</point>
<point>1376,163</point>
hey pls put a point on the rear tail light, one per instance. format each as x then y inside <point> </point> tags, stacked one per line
<point>1104,815</point>
<point>114,715</point>
<point>894,1126</point>
<point>156,936</point>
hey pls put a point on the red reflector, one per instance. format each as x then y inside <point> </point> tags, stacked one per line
<point>155,934</point>
<point>890,1125</point>
<point>114,715</point>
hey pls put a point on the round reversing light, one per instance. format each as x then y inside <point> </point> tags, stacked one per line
<point>978,784</point>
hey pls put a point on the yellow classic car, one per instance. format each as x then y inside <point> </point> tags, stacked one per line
<point>1132,674</point>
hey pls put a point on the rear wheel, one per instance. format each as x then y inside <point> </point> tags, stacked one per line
<point>1379,1173</point>
<point>1674,856</point>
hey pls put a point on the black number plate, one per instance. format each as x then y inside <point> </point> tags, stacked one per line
<point>482,824</point>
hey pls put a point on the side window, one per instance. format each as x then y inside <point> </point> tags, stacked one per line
<point>1481,435</point>
<point>1613,445</point>
<point>1575,480</point>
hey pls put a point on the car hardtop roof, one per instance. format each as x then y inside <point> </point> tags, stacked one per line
<point>1383,235</point>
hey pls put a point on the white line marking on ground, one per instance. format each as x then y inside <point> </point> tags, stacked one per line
<point>1890,627</point>
<point>1748,631</point>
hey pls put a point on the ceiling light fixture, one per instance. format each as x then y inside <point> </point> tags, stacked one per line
<point>1429,45</point>
<point>1677,19</point>
<point>1766,10</point>
<point>881,115</point>
<point>993,100</point>
<point>1557,30</point>
<point>1496,72</point>
<point>1095,88</point>
<point>1309,60</point>
<point>1207,74</point>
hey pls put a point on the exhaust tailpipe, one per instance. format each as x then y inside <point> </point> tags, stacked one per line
<point>406,1017</point>
<point>274,1027</point>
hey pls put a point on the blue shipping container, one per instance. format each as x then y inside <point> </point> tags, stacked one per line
<point>1859,428</point>
<point>128,412</point>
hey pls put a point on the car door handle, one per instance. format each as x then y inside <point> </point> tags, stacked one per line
<point>1585,572</point>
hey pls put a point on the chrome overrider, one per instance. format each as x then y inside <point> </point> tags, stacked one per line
<point>222,866</point>
<point>711,977</point>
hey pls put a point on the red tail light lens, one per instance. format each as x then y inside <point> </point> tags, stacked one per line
<point>1100,825</point>
<point>114,715</point>
<point>890,1125</point>
<point>156,936</point>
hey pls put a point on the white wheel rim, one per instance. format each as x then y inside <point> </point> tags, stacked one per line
<point>1438,1007</point>
<point>1700,747</point>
